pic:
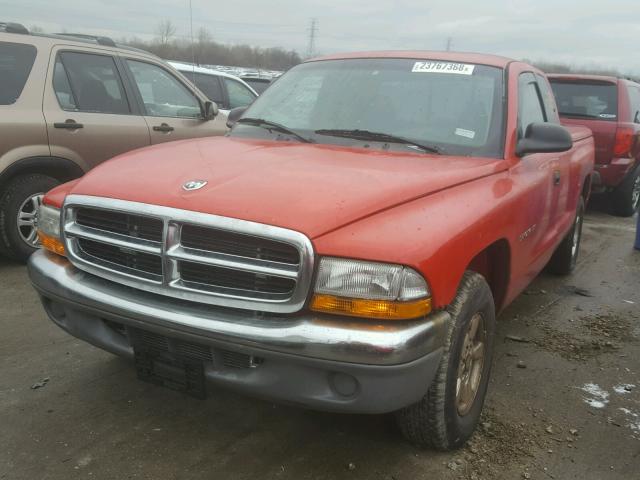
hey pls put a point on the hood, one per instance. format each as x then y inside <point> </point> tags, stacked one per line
<point>309,188</point>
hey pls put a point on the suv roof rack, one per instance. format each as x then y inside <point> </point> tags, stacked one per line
<point>10,27</point>
<point>100,40</point>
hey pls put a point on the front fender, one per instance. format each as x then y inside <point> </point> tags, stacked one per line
<point>438,235</point>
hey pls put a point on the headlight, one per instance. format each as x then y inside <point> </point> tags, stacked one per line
<point>370,289</point>
<point>49,229</point>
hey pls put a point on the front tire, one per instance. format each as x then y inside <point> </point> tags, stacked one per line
<point>626,197</point>
<point>448,414</point>
<point>19,214</point>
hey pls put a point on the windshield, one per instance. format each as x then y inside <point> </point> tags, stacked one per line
<point>456,108</point>
<point>586,100</point>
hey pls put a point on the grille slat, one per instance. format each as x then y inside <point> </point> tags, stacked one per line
<point>231,243</point>
<point>188,255</point>
<point>122,223</point>
<point>210,276</point>
<point>129,259</point>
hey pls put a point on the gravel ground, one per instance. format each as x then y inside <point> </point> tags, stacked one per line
<point>563,403</point>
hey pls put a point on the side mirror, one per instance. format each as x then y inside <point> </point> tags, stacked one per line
<point>234,116</point>
<point>210,110</point>
<point>544,138</point>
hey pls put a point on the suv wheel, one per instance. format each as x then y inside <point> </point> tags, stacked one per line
<point>626,197</point>
<point>447,415</point>
<point>19,214</point>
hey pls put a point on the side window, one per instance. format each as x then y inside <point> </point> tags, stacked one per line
<point>529,103</point>
<point>62,87</point>
<point>548,100</point>
<point>89,83</point>
<point>634,100</point>
<point>16,60</point>
<point>239,95</point>
<point>163,95</point>
<point>209,85</point>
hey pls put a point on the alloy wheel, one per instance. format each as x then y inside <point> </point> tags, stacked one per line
<point>471,364</point>
<point>635,193</point>
<point>577,232</point>
<point>27,219</point>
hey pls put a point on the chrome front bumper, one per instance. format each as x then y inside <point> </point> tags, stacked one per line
<point>392,363</point>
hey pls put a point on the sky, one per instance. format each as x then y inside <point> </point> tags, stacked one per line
<point>586,33</point>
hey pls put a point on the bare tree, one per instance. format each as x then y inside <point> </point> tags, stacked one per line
<point>165,32</point>
<point>203,36</point>
<point>36,29</point>
<point>209,52</point>
<point>202,45</point>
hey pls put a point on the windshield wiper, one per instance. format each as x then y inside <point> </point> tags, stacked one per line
<point>580,115</point>
<point>261,122</point>
<point>378,136</point>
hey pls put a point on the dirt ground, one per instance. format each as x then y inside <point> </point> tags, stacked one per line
<point>563,403</point>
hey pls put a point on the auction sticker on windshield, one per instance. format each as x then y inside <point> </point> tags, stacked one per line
<point>443,67</point>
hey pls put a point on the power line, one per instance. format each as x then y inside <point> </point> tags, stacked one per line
<point>313,32</point>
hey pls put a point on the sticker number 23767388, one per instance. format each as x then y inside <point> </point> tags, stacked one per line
<point>443,67</point>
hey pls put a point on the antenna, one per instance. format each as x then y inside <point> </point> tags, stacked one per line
<point>313,31</point>
<point>193,53</point>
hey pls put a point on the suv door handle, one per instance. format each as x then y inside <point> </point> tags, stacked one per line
<point>68,124</point>
<point>556,177</point>
<point>163,128</point>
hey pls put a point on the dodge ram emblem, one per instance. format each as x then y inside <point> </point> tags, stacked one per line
<point>194,185</point>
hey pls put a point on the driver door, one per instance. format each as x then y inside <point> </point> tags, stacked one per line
<point>171,109</point>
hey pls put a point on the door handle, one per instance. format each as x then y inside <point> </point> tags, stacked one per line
<point>163,128</point>
<point>556,177</point>
<point>68,125</point>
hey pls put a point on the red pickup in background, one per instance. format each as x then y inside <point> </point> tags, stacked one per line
<point>610,107</point>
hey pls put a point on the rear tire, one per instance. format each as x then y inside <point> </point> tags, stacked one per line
<point>19,203</point>
<point>626,197</point>
<point>565,257</point>
<point>448,414</point>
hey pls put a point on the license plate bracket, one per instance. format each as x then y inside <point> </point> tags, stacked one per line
<point>171,371</point>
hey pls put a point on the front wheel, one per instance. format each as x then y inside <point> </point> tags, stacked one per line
<point>448,414</point>
<point>19,214</point>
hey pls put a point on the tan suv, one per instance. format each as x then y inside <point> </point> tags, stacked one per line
<point>69,102</point>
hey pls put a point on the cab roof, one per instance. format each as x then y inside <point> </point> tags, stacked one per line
<point>460,57</point>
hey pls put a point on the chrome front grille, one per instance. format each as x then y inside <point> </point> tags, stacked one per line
<point>188,255</point>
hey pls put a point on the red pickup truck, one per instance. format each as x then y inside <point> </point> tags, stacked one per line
<point>345,248</point>
<point>610,107</point>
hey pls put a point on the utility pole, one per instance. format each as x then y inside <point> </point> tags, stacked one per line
<point>313,32</point>
<point>449,43</point>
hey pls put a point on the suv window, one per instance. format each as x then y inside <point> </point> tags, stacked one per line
<point>163,95</point>
<point>258,84</point>
<point>529,103</point>
<point>87,82</point>
<point>208,84</point>
<point>585,99</point>
<point>16,60</point>
<point>239,95</point>
<point>634,101</point>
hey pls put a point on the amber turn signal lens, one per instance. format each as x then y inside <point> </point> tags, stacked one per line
<point>381,309</point>
<point>51,243</point>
